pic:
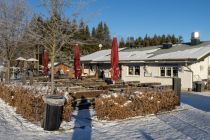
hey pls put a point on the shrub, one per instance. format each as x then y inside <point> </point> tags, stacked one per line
<point>125,105</point>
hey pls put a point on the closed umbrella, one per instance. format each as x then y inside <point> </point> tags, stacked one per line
<point>77,68</point>
<point>114,61</point>
<point>45,62</point>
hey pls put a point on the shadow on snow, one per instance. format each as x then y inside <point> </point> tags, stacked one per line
<point>83,123</point>
<point>197,101</point>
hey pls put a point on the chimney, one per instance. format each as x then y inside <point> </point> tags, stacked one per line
<point>195,38</point>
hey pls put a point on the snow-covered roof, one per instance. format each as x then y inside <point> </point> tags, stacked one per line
<point>102,54</point>
<point>124,56</point>
<point>195,53</point>
<point>177,52</point>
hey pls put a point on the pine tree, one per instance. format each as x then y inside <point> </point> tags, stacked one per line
<point>122,43</point>
<point>82,32</point>
<point>131,42</point>
<point>100,32</point>
<point>146,41</point>
<point>180,39</point>
<point>74,28</point>
<point>173,39</point>
<point>168,39</point>
<point>163,39</point>
<point>106,33</point>
<point>87,32</point>
<point>155,40</point>
<point>139,42</point>
<point>93,32</point>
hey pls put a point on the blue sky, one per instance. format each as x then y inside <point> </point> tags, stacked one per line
<point>139,17</point>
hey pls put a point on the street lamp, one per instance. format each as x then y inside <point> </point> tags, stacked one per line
<point>100,46</point>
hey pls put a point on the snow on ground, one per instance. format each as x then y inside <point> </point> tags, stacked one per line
<point>190,121</point>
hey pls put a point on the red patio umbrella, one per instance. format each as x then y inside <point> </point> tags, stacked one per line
<point>77,68</point>
<point>114,60</point>
<point>45,62</point>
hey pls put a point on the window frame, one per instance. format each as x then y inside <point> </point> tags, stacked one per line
<point>132,70</point>
<point>162,69</point>
<point>169,71</point>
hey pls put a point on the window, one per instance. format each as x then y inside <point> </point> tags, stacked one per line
<point>137,70</point>
<point>130,71</point>
<point>169,71</point>
<point>133,70</point>
<point>175,71</point>
<point>162,71</point>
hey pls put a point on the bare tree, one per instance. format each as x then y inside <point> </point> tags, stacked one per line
<point>56,31</point>
<point>12,25</point>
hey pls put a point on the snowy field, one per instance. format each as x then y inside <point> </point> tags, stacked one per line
<point>190,121</point>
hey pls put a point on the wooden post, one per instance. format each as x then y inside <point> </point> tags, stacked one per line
<point>177,88</point>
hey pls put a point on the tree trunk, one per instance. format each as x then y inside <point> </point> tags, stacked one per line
<point>7,77</point>
<point>52,74</point>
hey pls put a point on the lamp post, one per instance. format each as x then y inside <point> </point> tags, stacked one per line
<point>100,46</point>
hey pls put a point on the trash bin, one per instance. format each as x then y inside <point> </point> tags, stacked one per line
<point>199,86</point>
<point>52,112</point>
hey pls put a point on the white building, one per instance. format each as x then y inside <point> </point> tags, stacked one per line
<point>189,61</point>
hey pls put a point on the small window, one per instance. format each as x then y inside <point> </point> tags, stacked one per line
<point>168,71</point>
<point>134,70</point>
<point>162,71</point>
<point>137,70</point>
<point>91,67</point>
<point>175,71</point>
<point>130,71</point>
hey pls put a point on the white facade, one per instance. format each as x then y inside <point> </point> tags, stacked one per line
<point>155,64</point>
<point>188,74</point>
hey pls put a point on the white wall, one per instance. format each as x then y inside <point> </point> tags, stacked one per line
<point>186,78</point>
<point>126,77</point>
<point>154,70</point>
<point>184,74</point>
<point>92,72</point>
<point>200,70</point>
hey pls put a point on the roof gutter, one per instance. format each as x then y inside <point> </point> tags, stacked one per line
<point>180,61</point>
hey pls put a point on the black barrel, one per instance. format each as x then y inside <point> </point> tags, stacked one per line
<point>199,86</point>
<point>177,88</point>
<point>52,117</point>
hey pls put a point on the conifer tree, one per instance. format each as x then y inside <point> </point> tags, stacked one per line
<point>106,33</point>
<point>122,43</point>
<point>100,31</point>
<point>93,32</point>
<point>87,32</point>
